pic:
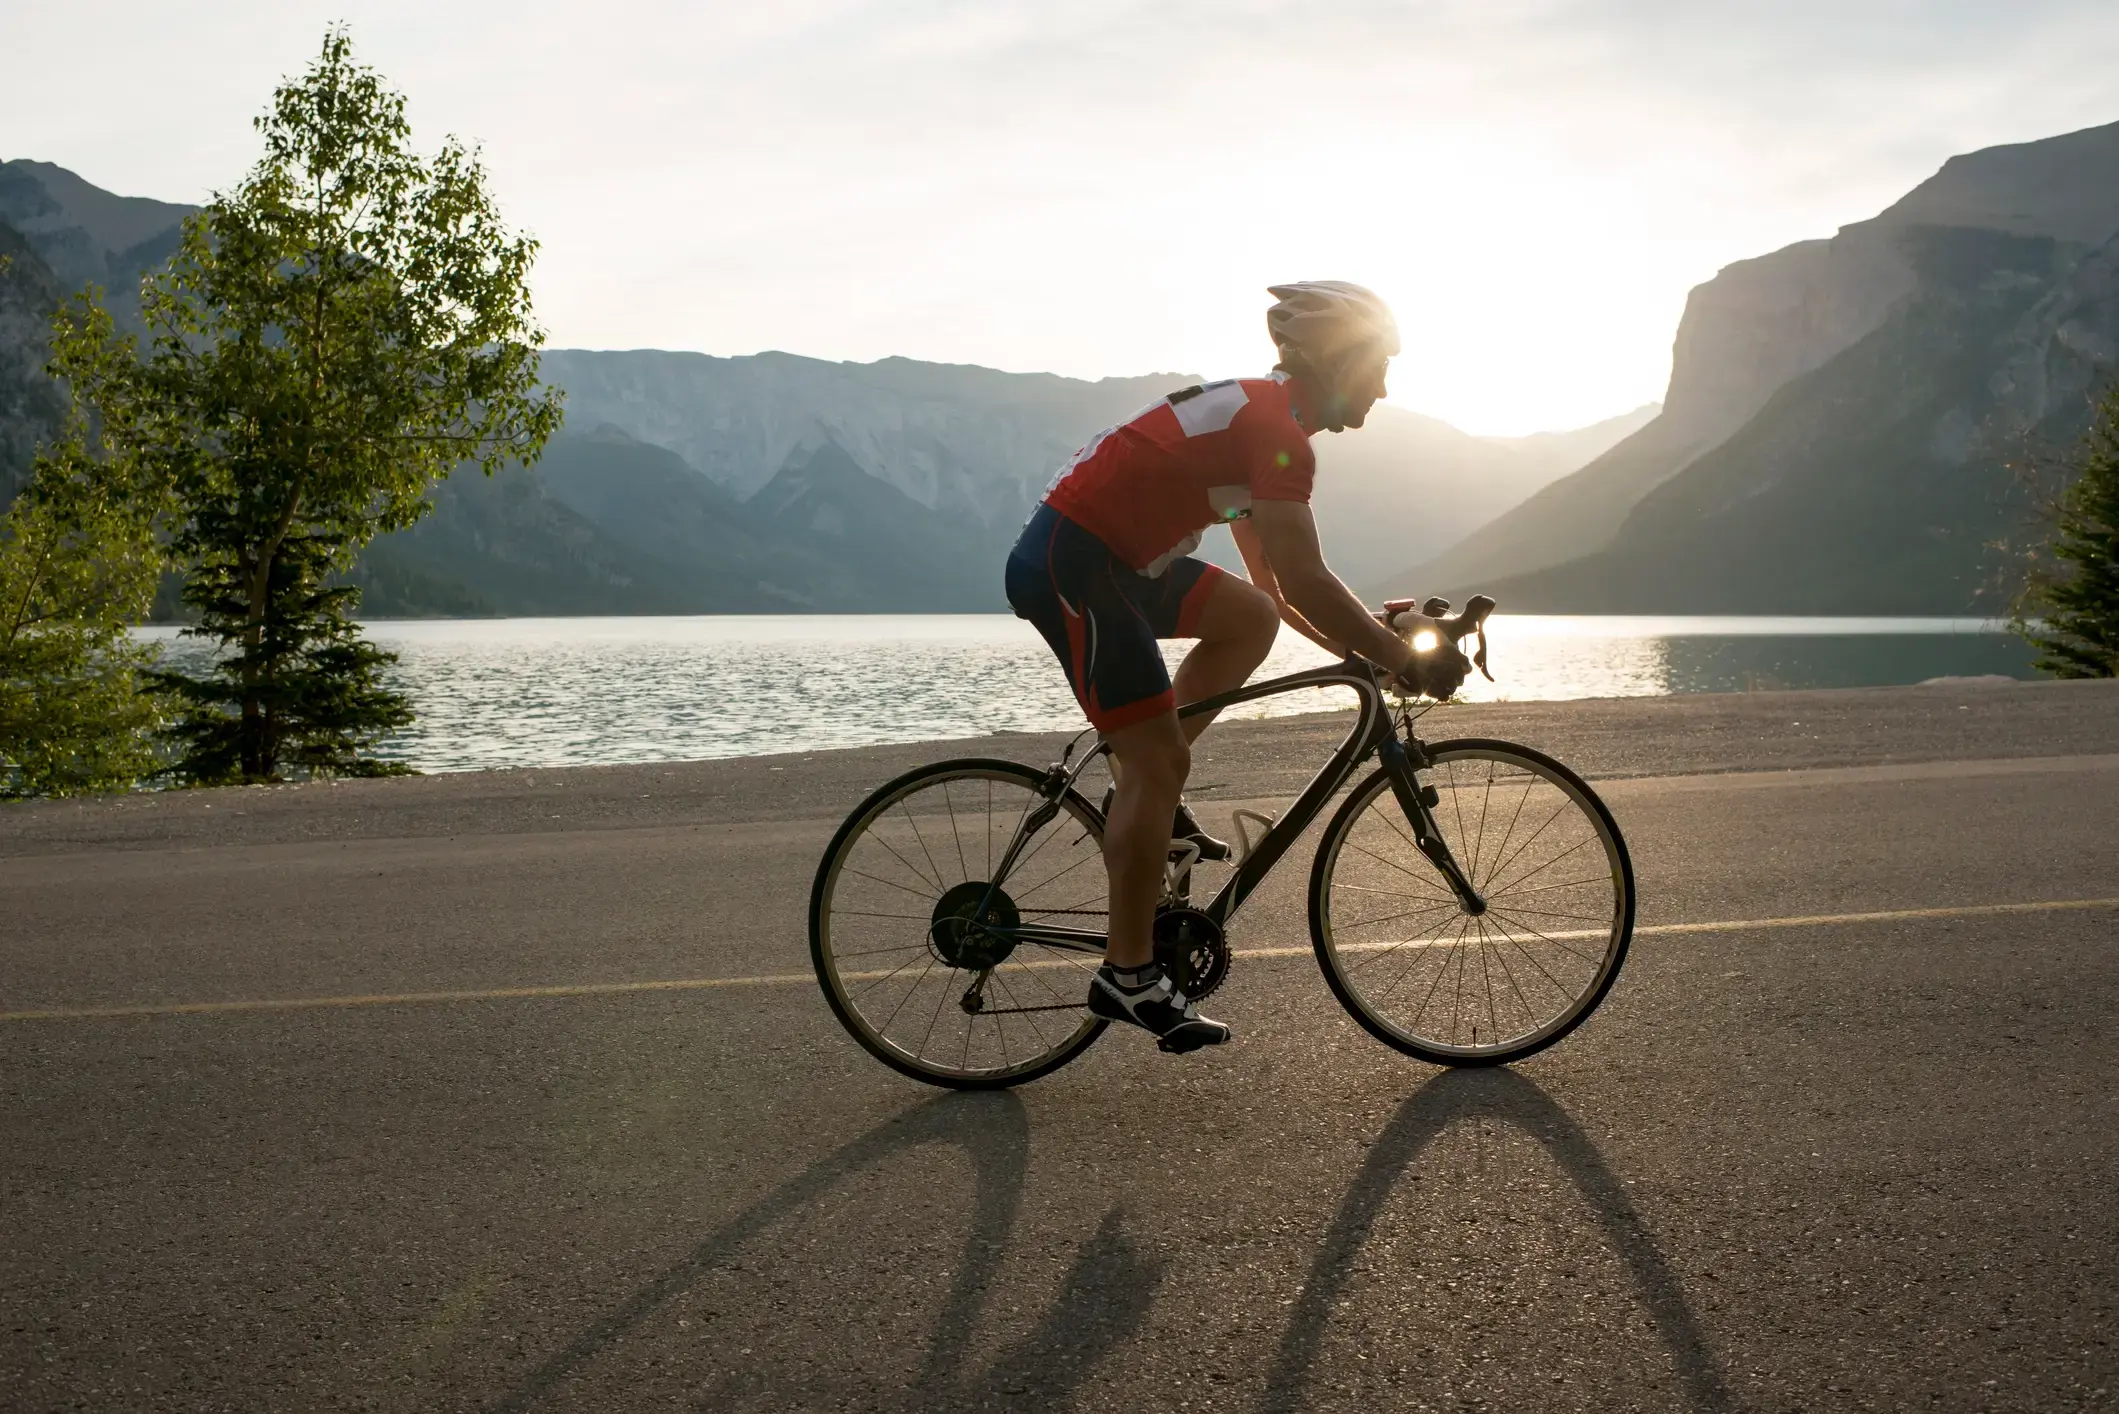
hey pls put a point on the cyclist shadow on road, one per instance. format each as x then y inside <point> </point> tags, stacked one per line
<point>1509,1097</point>
<point>1101,1301</point>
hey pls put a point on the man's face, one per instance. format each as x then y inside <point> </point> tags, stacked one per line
<point>1360,384</point>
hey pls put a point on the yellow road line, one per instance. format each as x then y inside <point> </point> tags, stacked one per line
<point>1744,925</point>
<point>783,979</point>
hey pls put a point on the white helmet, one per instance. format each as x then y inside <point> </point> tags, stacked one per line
<point>1322,321</point>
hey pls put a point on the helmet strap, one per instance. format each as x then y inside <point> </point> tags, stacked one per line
<point>1318,403</point>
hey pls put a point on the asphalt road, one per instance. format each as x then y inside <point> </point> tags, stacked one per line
<point>1860,1160</point>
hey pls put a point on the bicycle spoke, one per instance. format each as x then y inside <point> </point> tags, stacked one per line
<point>1048,883</point>
<point>1604,879</point>
<point>1510,833</point>
<point>1416,878</point>
<point>1406,913</point>
<point>1549,913</point>
<point>1558,811</point>
<point>910,865</point>
<point>1440,973</point>
<point>1592,839</point>
<point>1545,938</point>
<point>922,841</point>
<point>954,832</point>
<point>908,992</point>
<point>1532,958</point>
<point>1530,1013</point>
<point>1485,798</point>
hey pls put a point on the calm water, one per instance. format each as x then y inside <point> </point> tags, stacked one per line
<point>564,692</point>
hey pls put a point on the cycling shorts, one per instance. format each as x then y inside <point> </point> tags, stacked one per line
<point>1102,617</point>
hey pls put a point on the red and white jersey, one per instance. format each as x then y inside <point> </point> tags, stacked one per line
<point>1149,487</point>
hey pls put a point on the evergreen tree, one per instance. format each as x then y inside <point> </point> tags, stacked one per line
<point>334,335</point>
<point>2075,600</point>
<point>78,566</point>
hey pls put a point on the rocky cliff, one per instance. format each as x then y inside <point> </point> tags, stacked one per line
<point>1763,326</point>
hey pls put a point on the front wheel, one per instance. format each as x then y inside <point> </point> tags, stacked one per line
<point>955,923</point>
<point>1423,974</point>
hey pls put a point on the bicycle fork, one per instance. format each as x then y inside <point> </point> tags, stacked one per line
<point>1418,801</point>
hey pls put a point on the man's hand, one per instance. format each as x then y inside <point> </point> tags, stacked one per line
<point>1438,672</point>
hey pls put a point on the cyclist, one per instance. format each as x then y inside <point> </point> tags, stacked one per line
<point>1104,569</point>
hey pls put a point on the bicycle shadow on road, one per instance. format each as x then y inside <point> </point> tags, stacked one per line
<point>1103,1298</point>
<point>994,1135</point>
<point>1509,1097</point>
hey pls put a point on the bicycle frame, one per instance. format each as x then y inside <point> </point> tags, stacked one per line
<point>1373,733</point>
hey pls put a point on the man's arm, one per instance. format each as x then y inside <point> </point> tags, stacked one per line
<point>1262,576</point>
<point>1287,535</point>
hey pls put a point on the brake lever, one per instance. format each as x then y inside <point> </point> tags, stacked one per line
<point>1479,658</point>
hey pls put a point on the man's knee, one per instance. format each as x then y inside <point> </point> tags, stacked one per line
<point>1154,753</point>
<point>1247,615</point>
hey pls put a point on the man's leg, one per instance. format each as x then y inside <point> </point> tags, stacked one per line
<point>1154,758</point>
<point>1236,630</point>
<point>1151,759</point>
<point>1129,986</point>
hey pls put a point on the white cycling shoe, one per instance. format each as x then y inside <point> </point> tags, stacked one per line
<point>1147,998</point>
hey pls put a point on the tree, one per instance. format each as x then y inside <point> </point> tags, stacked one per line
<point>78,566</point>
<point>2074,595</point>
<point>333,336</point>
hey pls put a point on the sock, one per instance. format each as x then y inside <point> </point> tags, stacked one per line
<point>1133,979</point>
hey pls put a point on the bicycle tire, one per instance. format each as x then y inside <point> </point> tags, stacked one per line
<point>846,1002</point>
<point>1334,958</point>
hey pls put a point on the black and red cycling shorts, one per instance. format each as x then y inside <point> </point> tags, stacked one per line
<point>1103,617</point>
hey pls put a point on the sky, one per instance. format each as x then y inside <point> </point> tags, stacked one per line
<point>1104,187</point>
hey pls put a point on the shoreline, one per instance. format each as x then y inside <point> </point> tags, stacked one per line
<point>1603,738</point>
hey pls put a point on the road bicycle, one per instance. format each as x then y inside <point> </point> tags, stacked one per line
<point>1470,902</point>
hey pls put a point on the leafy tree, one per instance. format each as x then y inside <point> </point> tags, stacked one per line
<point>78,565</point>
<point>2075,598</point>
<point>332,336</point>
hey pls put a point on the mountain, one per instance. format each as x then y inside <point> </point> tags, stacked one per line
<point>949,436</point>
<point>978,446</point>
<point>31,409</point>
<point>1841,413</point>
<point>87,235</point>
<point>58,233</point>
<point>1558,453</point>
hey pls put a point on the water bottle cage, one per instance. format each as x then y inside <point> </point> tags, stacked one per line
<point>1244,843</point>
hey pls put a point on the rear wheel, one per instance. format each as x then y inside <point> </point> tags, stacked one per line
<point>913,928</point>
<point>1424,975</point>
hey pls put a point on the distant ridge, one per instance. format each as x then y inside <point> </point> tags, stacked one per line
<point>688,483</point>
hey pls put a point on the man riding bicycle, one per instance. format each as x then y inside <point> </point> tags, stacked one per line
<point>1104,570</point>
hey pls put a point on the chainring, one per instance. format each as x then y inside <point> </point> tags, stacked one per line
<point>1192,951</point>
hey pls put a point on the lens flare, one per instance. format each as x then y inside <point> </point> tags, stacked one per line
<point>1426,641</point>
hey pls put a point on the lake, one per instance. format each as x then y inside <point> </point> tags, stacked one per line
<point>584,691</point>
